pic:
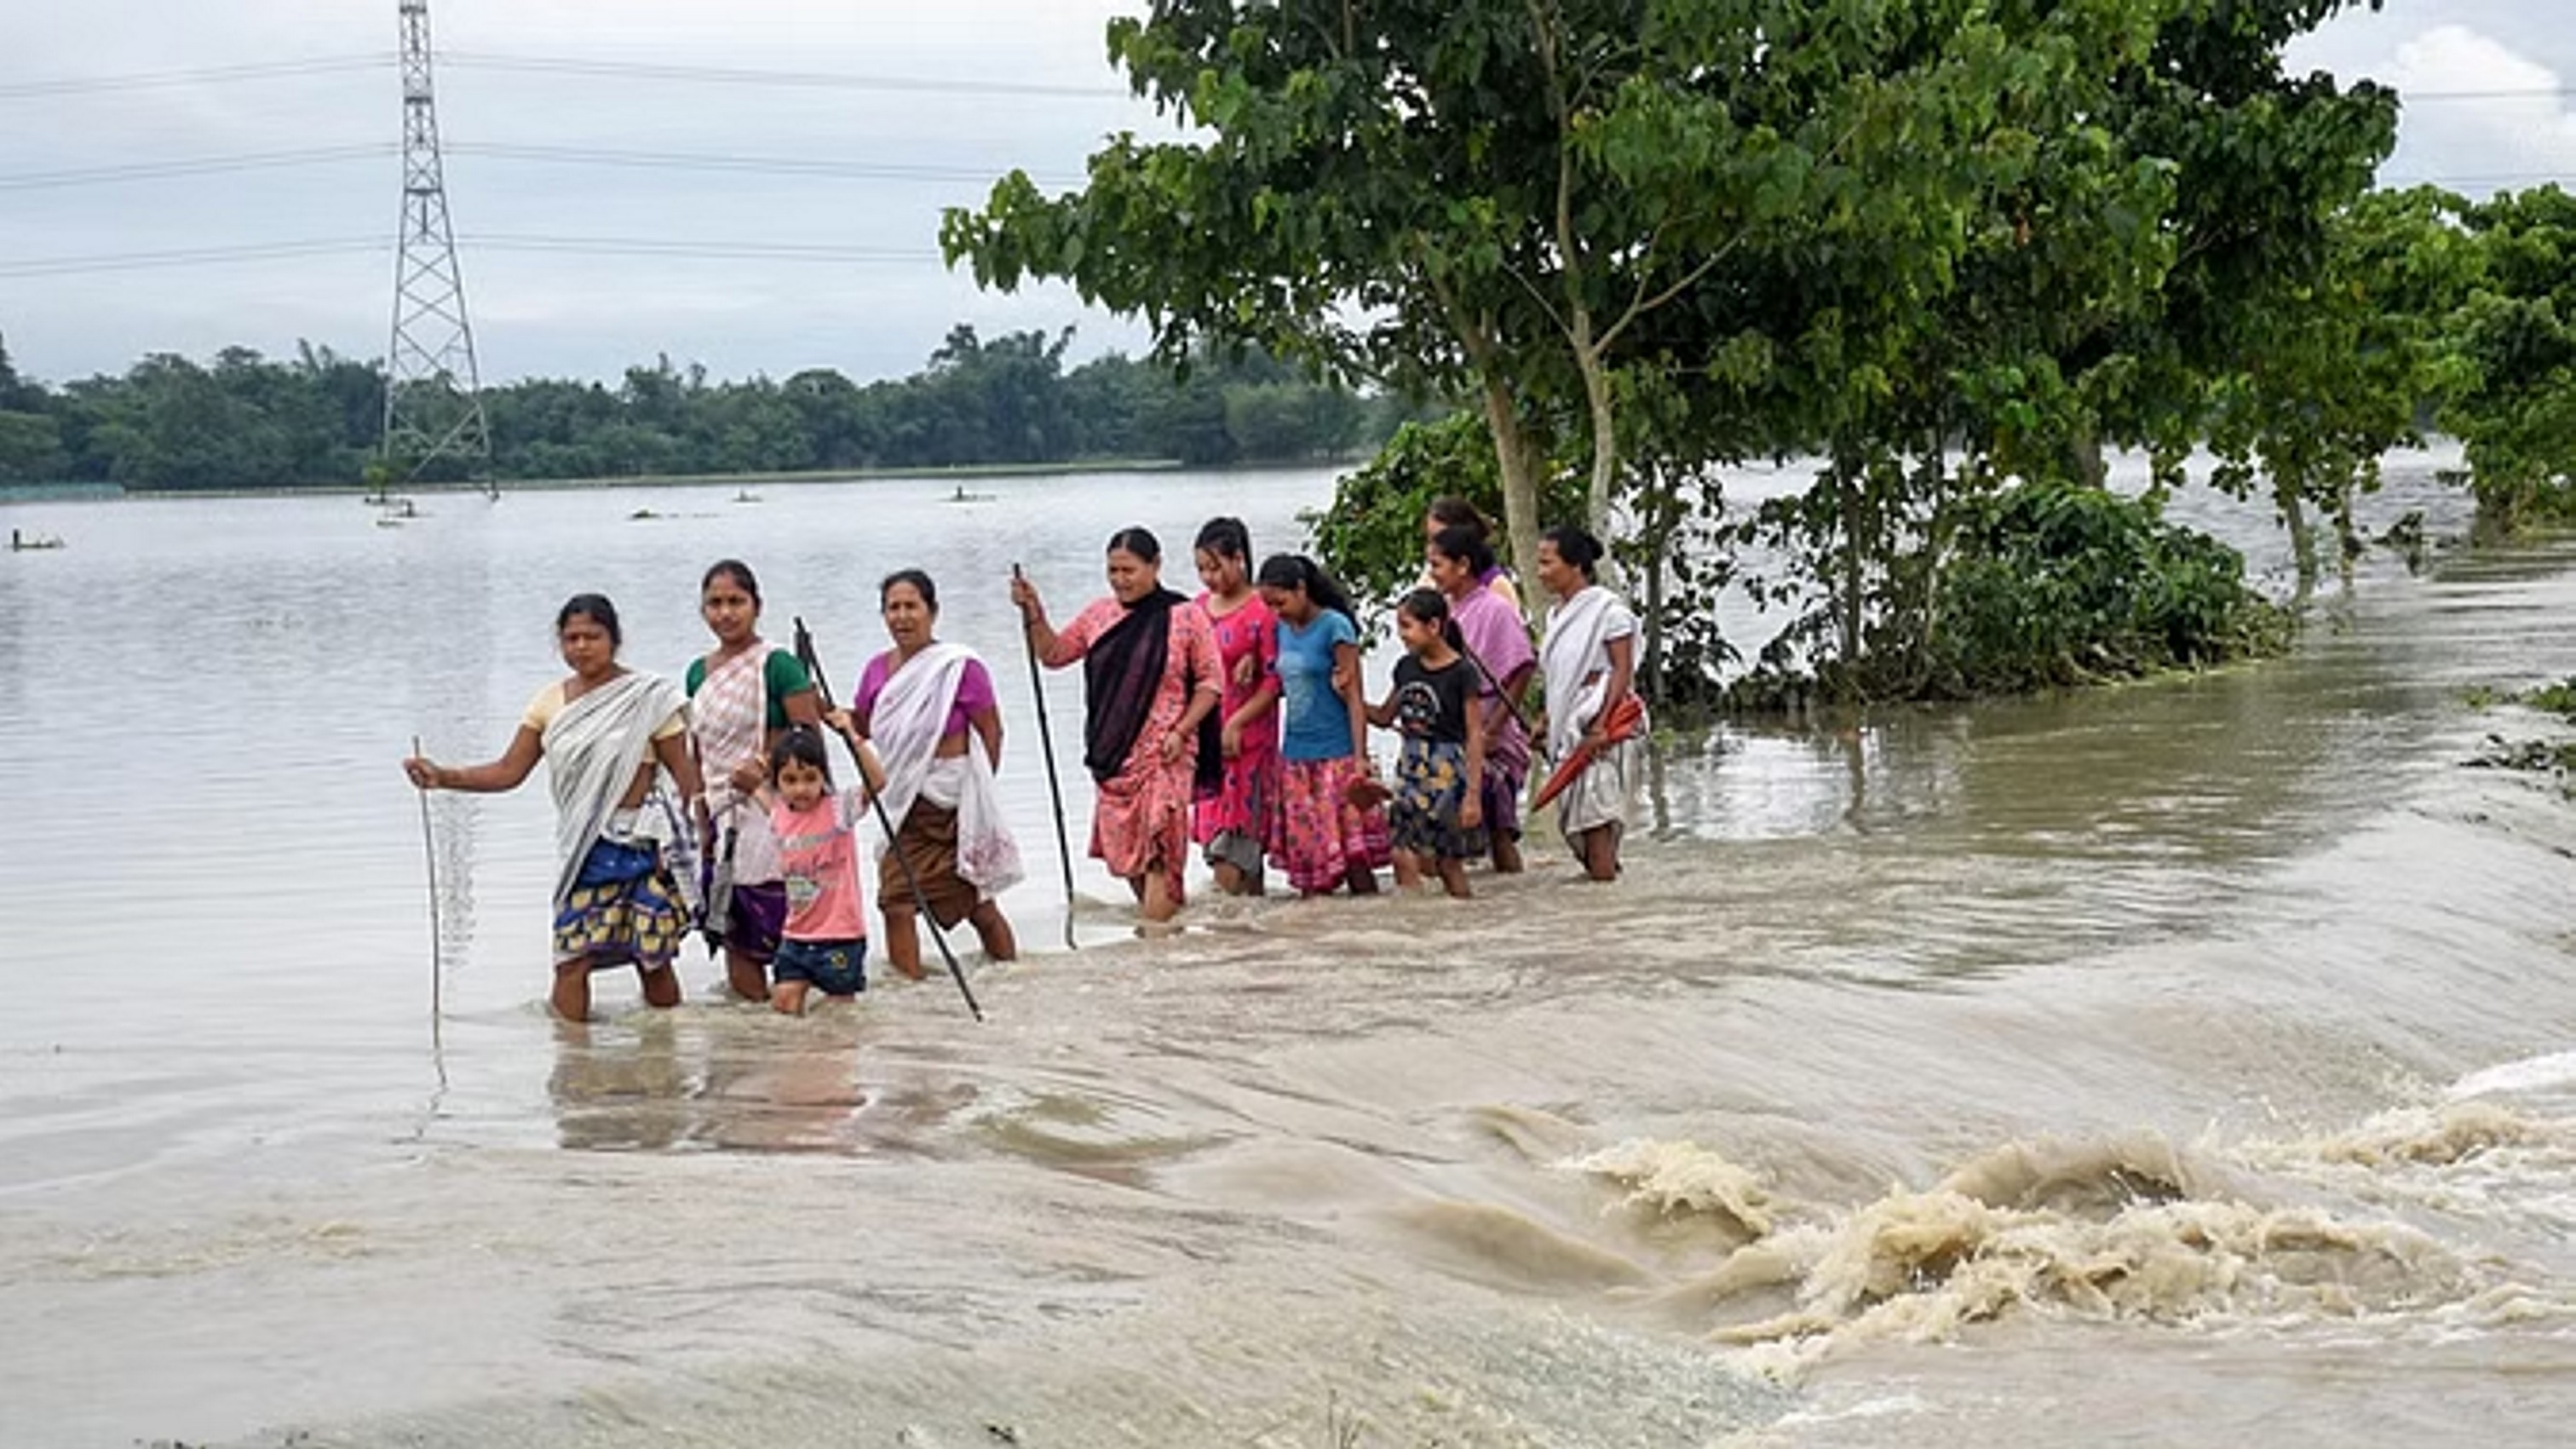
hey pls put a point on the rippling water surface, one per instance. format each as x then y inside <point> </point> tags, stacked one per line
<point>2185,1062</point>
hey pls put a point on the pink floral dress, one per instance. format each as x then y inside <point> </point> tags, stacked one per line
<point>1245,806</point>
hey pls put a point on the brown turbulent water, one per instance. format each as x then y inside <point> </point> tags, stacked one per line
<point>2182,1063</point>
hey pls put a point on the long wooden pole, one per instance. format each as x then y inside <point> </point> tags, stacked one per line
<point>1055,790</point>
<point>429,855</point>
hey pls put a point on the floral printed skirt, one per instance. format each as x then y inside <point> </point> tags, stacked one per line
<point>1322,835</point>
<point>1430,785</point>
<point>1141,822</point>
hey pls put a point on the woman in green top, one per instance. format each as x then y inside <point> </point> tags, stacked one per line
<point>745,694</point>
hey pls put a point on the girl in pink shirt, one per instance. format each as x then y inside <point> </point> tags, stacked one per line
<point>824,944</point>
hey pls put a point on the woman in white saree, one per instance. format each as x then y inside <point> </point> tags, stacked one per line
<point>606,735</point>
<point>932,713</point>
<point>1589,660</point>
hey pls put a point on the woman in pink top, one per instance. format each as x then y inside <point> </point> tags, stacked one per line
<point>1237,822</point>
<point>1151,680</point>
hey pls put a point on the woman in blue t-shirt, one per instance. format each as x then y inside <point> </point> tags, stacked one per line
<point>1329,839</point>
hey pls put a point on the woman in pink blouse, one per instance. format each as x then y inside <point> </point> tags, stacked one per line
<point>1151,681</point>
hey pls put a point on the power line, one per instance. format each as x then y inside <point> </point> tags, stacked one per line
<point>2534,93</point>
<point>765,165</point>
<point>192,256</point>
<point>203,75</point>
<point>674,248</point>
<point>823,169</point>
<point>193,166</point>
<point>710,250</point>
<point>721,75</point>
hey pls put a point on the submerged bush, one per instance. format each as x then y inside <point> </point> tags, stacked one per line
<point>2059,583</point>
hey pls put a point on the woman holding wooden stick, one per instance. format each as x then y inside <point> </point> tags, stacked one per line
<point>607,733</point>
<point>931,710</point>
<point>1152,679</point>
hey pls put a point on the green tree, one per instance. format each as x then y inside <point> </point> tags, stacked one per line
<point>1498,199</point>
<point>2515,339</point>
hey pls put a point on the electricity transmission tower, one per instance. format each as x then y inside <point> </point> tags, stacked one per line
<point>433,391</point>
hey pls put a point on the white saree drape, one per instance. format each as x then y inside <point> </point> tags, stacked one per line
<point>593,749</point>
<point>910,715</point>
<point>1575,659</point>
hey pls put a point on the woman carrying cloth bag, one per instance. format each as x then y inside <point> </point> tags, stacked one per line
<point>930,710</point>
<point>606,733</point>
<point>743,696</point>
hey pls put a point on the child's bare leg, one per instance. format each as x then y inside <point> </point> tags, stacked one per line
<point>787,998</point>
<point>993,929</point>
<point>1408,870</point>
<point>1363,881</point>
<point>1507,854</point>
<point>748,978</point>
<point>1231,879</point>
<point>1453,875</point>
<point>903,940</point>
<point>571,996</point>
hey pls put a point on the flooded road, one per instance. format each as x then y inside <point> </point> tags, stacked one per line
<point>2187,1062</point>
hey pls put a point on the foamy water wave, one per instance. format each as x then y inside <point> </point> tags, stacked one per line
<point>2131,1231</point>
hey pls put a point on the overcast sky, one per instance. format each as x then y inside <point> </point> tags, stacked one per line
<point>1043,97</point>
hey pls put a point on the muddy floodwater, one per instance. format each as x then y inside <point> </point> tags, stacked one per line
<point>2190,1062</point>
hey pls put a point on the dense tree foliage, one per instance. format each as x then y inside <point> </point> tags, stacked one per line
<point>2513,400</point>
<point>1950,250</point>
<point>248,421</point>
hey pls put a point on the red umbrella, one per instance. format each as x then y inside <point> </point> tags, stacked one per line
<point>1624,720</point>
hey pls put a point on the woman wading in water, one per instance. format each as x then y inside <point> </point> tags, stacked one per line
<point>605,734</point>
<point>930,710</point>
<point>745,695</point>
<point>1590,663</point>
<point>1151,681</point>
<point>1237,823</point>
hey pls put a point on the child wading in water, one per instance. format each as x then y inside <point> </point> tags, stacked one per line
<point>1325,841</point>
<point>1440,776</point>
<point>824,944</point>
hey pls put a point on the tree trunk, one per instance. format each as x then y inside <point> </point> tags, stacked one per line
<point>1935,552</point>
<point>1520,490</point>
<point>2303,541</point>
<point>2084,453</point>
<point>1847,508</point>
<point>1658,539</point>
<point>1605,432</point>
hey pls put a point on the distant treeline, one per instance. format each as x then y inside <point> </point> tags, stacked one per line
<point>248,421</point>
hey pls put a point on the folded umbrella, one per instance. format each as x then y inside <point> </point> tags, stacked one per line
<point>1624,720</point>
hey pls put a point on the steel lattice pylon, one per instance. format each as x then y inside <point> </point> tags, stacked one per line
<point>433,390</point>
